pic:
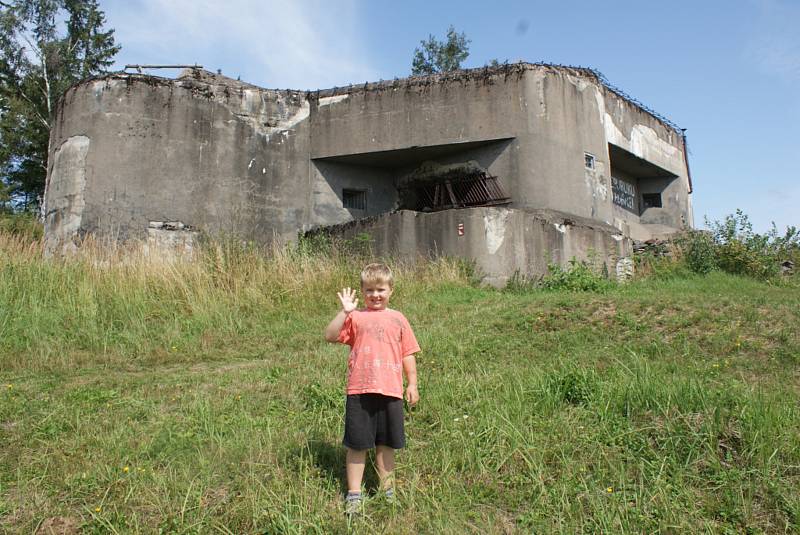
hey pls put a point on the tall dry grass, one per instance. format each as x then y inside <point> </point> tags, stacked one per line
<point>109,302</point>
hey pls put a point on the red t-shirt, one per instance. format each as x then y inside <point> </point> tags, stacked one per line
<point>379,339</point>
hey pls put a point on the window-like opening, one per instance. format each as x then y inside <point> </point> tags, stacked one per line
<point>638,184</point>
<point>458,189</point>
<point>588,160</point>
<point>651,200</point>
<point>354,199</point>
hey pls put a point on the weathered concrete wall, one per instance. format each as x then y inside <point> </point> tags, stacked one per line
<point>206,151</point>
<point>330,178</point>
<point>67,189</point>
<point>218,155</point>
<point>551,116</point>
<point>502,241</point>
<point>644,136</point>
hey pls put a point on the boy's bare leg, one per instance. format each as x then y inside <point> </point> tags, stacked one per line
<point>384,463</point>
<point>356,459</point>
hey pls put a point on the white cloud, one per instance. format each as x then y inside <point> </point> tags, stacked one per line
<point>279,44</point>
<point>775,43</point>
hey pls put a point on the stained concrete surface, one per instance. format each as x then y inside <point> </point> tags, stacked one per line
<point>502,241</point>
<point>223,156</point>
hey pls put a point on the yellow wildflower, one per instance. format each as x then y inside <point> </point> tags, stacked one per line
<point>126,469</point>
<point>609,489</point>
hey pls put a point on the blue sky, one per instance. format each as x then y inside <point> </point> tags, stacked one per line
<point>726,71</point>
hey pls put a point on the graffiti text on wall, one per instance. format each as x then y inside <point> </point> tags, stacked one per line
<point>623,194</point>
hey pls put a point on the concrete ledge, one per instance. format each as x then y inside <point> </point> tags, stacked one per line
<point>502,241</point>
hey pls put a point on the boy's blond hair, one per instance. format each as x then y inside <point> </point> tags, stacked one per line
<point>376,273</point>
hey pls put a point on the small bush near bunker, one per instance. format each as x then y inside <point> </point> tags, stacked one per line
<point>732,246</point>
<point>699,251</point>
<point>577,277</point>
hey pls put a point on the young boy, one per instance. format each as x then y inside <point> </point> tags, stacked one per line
<point>382,348</point>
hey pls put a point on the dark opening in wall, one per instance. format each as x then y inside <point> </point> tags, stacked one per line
<point>354,199</point>
<point>434,177</point>
<point>454,189</point>
<point>637,184</point>
<point>651,200</point>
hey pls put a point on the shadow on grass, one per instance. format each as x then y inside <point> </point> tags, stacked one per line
<point>330,459</point>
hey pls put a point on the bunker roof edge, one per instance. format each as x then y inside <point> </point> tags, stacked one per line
<point>505,69</point>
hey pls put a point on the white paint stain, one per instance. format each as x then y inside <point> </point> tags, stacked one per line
<point>596,185</point>
<point>495,223</point>
<point>560,227</point>
<point>327,101</point>
<point>300,115</point>
<point>263,170</point>
<point>65,194</point>
<point>251,163</point>
<point>601,104</point>
<point>540,77</point>
<point>578,82</point>
<point>613,134</point>
<point>646,144</point>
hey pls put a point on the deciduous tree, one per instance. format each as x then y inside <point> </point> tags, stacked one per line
<point>434,56</point>
<point>45,47</point>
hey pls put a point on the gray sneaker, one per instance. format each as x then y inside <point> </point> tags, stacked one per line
<point>353,503</point>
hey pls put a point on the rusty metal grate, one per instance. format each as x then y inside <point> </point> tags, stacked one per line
<point>478,189</point>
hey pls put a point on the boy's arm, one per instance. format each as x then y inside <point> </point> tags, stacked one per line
<point>349,303</point>
<point>335,326</point>
<point>410,369</point>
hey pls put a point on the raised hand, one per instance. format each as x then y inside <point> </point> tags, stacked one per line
<point>348,299</point>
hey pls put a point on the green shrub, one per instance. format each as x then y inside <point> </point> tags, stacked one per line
<point>741,251</point>
<point>577,277</point>
<point>669,267</point>
<point>732,246</point>
<point>699,251</point>
<point>520,283</point>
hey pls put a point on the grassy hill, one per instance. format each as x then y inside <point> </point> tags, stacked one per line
<point>141,396</point>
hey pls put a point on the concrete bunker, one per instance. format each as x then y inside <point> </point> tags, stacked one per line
<point>507,165</point>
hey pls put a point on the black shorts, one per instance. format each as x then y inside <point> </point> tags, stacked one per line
<point>373,420</point>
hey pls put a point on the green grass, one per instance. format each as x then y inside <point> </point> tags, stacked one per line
<point>201,398</point>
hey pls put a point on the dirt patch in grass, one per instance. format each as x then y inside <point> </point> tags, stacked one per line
<point>59,525</point>
<point>604,313</point>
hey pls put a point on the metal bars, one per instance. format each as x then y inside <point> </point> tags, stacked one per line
<point>475,190</point>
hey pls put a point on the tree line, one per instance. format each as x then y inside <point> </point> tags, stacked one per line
<point>45,47</point>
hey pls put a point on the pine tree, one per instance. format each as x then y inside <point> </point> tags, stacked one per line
<point>38,62</point>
